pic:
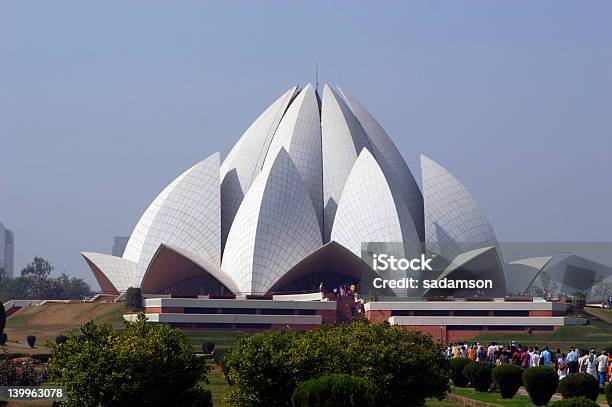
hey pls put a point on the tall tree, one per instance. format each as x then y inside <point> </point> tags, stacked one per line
<point>38,272</point>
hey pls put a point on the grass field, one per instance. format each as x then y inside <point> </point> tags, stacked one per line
<point>494,398</point>
<point>222,338</point>
<point>219,387</point>
<point>600,313</point>
<point>49,320</point>
<point>597,334</point>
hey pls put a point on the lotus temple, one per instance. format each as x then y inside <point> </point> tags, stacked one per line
<point>310,190</point>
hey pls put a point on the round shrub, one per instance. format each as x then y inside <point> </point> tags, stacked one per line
<point>335,390</point>
<point>61,339</point>
<point>208,347</point>
<point>31,339</point>
<point>579,385</point>
<point>574,402</point>
<point>541,383</point>
<point>479,375</point>
<point>468,372</point>
<point>265,369</point>
<point>508,379</point>
<point>146,364</point>
<point>609,393</point>
<point>457,366</point>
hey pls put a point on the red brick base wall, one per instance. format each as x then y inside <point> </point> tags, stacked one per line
<point>441,334</point>
<point>165,310</point>
<point>377,316</point>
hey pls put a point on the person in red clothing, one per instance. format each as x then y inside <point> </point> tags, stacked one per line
<point>516,357</point>
<point>525,359</point>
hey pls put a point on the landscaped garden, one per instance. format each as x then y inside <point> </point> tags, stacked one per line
<point>356,364</point>
<point>597,334</point>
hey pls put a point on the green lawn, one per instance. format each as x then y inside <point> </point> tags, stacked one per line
<point>217,386</point>
<point>495,398</point>
<point>518,400</point>
<point>597,334</point>
<point>601,313</point>
<point>222,338</point>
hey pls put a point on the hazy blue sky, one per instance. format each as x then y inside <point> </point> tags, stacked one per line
<point>104,103</point>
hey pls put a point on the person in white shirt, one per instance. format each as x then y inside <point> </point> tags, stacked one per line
<point>535,358</point>
<point>591,364</point>
<point>491,352</point>
<point>531,352</point>
<point>562,367</point>
<point>602,367</point>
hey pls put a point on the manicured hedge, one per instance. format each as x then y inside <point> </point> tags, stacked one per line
<point>508,379</point>
<point>574,402</point>
<point>208,347</point>
<point>31,339</point>
<point>579,385</point>
<point>541,383</point>
<point>336,390</point>
<point>457,366</point>
<point>61,339</point>
<point>479,375</point>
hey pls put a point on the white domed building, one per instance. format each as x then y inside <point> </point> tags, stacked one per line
<point>308,183</point>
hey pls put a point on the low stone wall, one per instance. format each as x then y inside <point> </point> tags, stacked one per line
<point>468,402</point>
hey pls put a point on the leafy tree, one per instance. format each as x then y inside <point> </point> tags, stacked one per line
<point>35,284</point>
<point>38,271</point>
<point>146,365</point>
<point>260,369</point>
<point>133,297</point>
<point>336,390</point>
<point>16,288</point>
<point>265,369</point>
<point>72,287</point>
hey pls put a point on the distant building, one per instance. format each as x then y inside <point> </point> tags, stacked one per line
<point>7,250</point>
<point>119,244</point>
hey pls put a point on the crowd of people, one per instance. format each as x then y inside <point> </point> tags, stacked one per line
<point>598,364</point>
